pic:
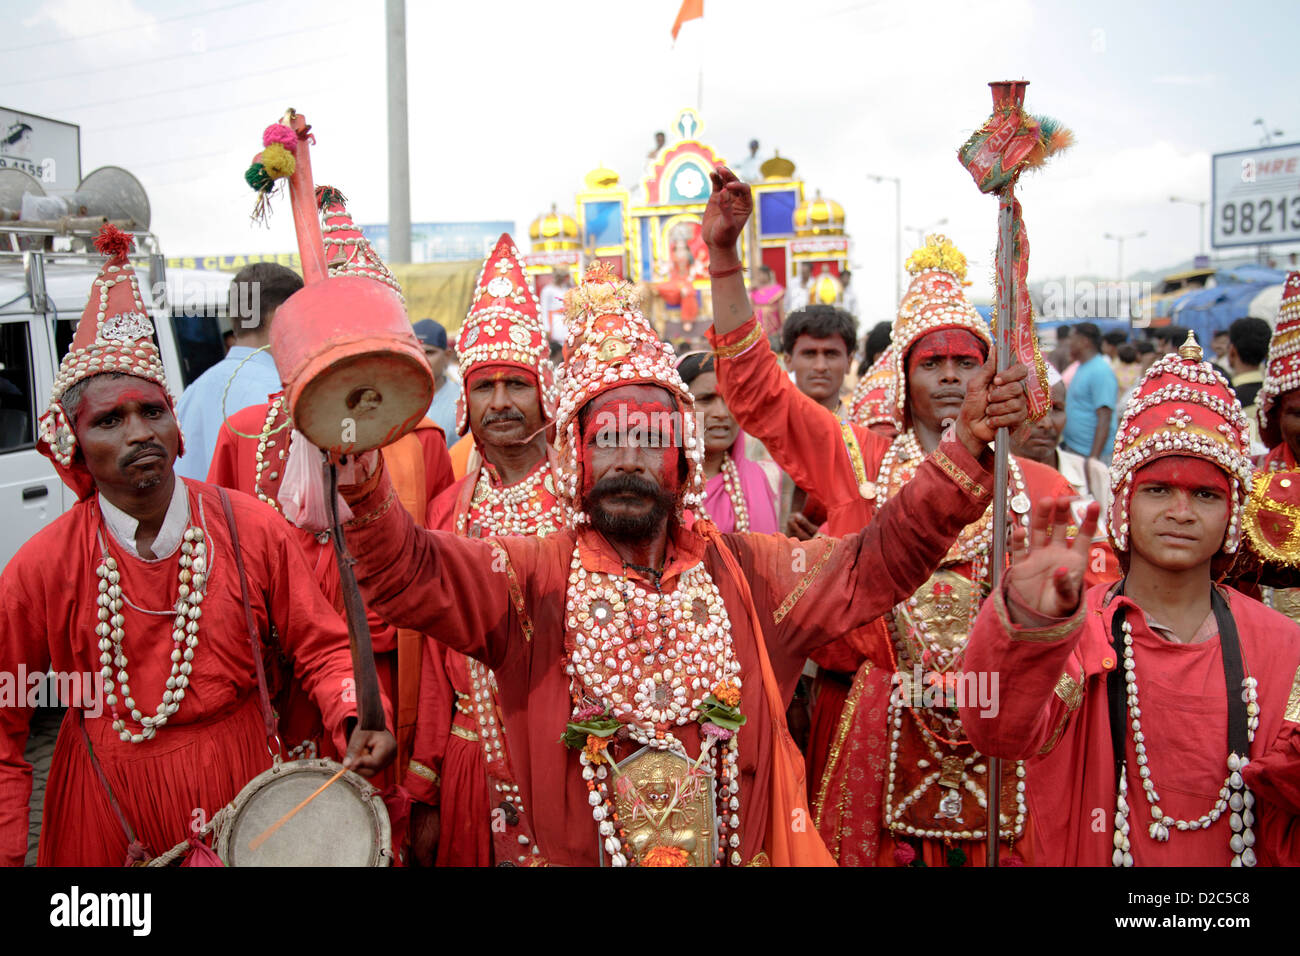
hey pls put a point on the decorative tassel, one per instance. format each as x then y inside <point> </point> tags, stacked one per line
<point>956,857</point>
<point>113,242</point>
<point>904,854</point>
<point>201,855</point>
<point>277,134</point>
<point>327,196</point>
<point>278,161</point>
<point>1052,138</point>
<point>1012,858</point>
<point>257,177</point>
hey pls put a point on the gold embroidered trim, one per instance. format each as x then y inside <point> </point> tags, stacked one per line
<point>855,457</point>
<point>516,594</point>
<point>841,734</point>
<point>804,583</point>
<point>1036,635</point>
<point>752,336</point>
<point>760,859</point>
<point>376,514</point>
<point>1293,701</point>
<point>1288,553</point>
<point>420,770</point>
<point>963,481</point>
<point>464,734</point>
<point>1071,692</point>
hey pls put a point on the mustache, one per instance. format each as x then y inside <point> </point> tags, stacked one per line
<point>140,452</point>
<point>512,415</point>
<point>625,485</point>
<point>948,394</point>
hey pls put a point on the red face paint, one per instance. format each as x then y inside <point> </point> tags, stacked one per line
<point>946,344</point>
<point>649,429</point>
<point>1185,472</point>
<point>116,393</point>
<point>498,373</point>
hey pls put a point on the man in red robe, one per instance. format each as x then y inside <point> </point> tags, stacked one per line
<point>253,455</point>
<point>1119,697</point>
<point>663,656</point>
<point>467,798</point>
<point>147,606</point>
<point>869,750</point>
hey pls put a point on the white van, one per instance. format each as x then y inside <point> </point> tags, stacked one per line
<point>42,295</point>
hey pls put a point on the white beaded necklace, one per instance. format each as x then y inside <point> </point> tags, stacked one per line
<point>731,484</point>
<point>185,636</point>
<point>528,507</point>
<point>683,640</point>
<point>1234,794</point>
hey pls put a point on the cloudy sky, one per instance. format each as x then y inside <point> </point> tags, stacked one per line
<point>511,102</point>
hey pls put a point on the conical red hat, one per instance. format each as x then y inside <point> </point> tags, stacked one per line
<point>873,399</point>
<point>115,334</point>
<point>504,327</point>
<point>1282,374</point>
<point>1183,406</point>
<point>347,251</point>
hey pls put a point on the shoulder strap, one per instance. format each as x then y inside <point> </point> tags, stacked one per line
<point>135,850</point>
<point>268,715</point>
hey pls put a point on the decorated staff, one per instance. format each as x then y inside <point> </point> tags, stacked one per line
<point>355,378</point>
<point>1009,142</point>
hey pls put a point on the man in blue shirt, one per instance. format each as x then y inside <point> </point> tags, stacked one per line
<point>245,376</point>
<point>1090,402</point>
<point>446,390</point>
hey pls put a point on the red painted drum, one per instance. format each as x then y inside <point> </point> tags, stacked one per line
<point>354,375</point>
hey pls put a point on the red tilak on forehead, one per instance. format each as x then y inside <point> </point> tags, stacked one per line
<point>944,344</point>
<point>1183,471</point>
<point>497,373</point>
<point>122,392</point>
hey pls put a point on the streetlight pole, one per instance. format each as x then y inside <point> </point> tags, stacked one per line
<point>922,232</point>
<point>898,231</point>
<point>1119,260</point>
<point>1200,205</point>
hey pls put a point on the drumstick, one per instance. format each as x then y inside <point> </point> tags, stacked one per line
<point>262,837</point>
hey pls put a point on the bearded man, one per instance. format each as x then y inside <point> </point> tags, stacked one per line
<point>663,656</point>
<point>156,580</point>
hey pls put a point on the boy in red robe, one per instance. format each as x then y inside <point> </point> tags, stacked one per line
<point>643,668</point>
<point>147,605</point>
<point>1158,715</point>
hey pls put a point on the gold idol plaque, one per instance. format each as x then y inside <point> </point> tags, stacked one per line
<point>668,806</point>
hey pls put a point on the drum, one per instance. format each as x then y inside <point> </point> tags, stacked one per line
<point>346,825</point>
<point>354,375</point>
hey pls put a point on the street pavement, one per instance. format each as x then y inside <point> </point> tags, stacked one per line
<point>40,748</point>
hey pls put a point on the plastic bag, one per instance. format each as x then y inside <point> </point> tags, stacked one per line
<point>302,492</point>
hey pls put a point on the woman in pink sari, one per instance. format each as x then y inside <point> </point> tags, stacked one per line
<point>769,300</point>
<point>737,494</point>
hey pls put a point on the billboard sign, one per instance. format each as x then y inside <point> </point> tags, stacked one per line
<point>46,149</point>
<point>1255,196</point>
<point>443,241</point>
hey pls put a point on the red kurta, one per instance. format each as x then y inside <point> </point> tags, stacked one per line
<point>234,465</point>
<point>216,742</point>
<point>827,458</point>
<point>503,602</point>
<point>1053,712</point>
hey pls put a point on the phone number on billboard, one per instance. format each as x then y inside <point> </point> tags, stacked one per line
<point>1268,216</point>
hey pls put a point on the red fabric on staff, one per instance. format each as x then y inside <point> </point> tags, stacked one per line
<point>691,10</point>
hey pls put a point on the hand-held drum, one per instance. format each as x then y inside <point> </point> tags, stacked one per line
<point>345,825</point>
<point>354,375</point>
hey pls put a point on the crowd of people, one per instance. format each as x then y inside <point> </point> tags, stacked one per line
<point>710,603</point>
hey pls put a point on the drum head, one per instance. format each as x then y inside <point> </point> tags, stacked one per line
<point>346,825</point>
<point>363,400</point>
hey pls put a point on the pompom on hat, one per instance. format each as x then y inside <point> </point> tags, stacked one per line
<point>504,327</point>
<point>1282,372</point>
<point>934,302</point>
<point>1183,406</point>
<point>610,345</point>
<point>115,334</point>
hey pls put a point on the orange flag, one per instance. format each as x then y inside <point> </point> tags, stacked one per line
<point>691,10</point>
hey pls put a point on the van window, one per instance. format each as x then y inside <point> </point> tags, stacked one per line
<point>198,339</point>
<point>17,388</point>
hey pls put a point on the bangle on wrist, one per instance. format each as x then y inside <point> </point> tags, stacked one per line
<point>725,272</point>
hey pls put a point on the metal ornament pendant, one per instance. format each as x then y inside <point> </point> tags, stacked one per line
<point>949,806</point>
<point>668,805</point>
<point>1020,503</point>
